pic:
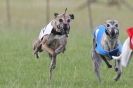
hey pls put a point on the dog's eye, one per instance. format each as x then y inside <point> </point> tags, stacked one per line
<point>108,25</point>
<point>60,20</point>
<point>68,20</point>
<point>116,25</point>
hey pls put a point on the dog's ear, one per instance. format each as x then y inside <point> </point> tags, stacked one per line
<point>56,14</point>
<point>71,16</point>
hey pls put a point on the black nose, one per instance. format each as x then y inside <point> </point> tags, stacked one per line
<point>65,27</point>
<point>113,32</point>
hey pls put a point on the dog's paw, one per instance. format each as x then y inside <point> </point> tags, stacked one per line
<point>64,50</point>
<point>116,69</point>
<point>36,55</point>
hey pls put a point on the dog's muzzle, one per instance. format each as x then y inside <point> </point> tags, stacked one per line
<point>65,29</point>
<point>113,34</point>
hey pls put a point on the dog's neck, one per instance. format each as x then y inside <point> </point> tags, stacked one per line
<point>54,28</point>
<point>108,43</point>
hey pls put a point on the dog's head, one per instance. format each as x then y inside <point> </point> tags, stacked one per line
<point>62,22</point>
<point>112,28</point>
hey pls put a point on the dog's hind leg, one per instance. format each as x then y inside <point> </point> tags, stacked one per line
<point>37,50</point>
<point>52,65</point>
<point>37,47</point>
<point>96,64</point>
<point>118,69</point>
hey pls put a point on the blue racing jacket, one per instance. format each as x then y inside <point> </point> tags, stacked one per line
<point>98,34</point>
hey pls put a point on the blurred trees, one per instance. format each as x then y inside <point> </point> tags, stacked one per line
<point>117,3</point>
<point>8,12</point>
<point>86,4</point>
<point>47,10</point>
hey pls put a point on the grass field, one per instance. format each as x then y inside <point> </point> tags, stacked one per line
<point>20,69</point>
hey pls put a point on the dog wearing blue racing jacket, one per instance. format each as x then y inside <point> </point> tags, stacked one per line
<point>105,45</point>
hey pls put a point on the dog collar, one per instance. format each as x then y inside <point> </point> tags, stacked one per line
<point>58,33</point>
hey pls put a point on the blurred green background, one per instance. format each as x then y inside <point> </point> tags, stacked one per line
<point>20,69</point>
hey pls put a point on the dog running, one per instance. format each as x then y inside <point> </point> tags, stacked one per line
<point>105,45</point>
<point>53,37</point>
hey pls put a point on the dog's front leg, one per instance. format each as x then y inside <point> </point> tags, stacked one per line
<point>107,63</point>
<point>49,50</point>
<point>60,49</point>
<point>45,46</point>
<point>52,65</point>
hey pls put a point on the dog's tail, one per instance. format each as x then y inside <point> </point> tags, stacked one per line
<point>116,57</point>
<point>124,57</point>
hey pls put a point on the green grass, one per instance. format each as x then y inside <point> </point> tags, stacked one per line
<point>20,69</point>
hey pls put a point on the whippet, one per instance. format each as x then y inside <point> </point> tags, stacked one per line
<point>53,38</point>
<point>105,45</point>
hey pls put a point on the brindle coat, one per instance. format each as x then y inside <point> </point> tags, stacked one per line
<point>109,42</point>
<point>55,42</point>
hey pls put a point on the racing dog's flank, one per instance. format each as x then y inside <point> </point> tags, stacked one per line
<point>54,42</point>
<point>106,45</point>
